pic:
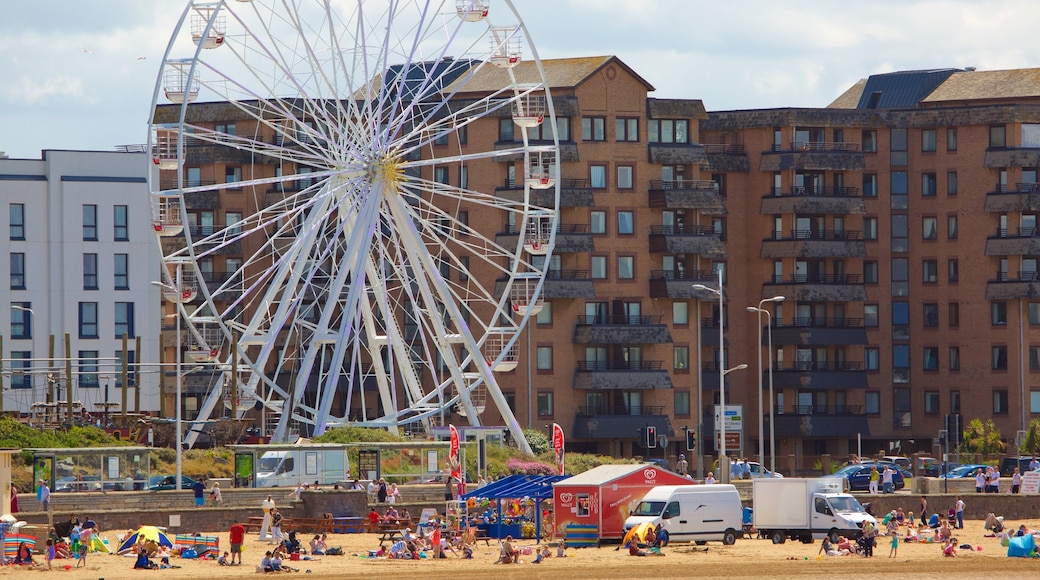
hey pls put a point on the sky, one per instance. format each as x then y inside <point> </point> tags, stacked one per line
<point>80,75</point>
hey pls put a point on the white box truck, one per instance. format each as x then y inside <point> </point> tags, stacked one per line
<point>691,513</point>
<point>290,467</point>
<point>806,509</point>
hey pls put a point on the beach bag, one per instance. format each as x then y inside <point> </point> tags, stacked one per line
<point>334,551</point>
<point>189,553</point>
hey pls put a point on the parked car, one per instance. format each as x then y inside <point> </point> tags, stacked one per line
<point>165,482</point>
<point>1008,465</point>
<point>83,483</point>
<point>905,472</point>
<point>965,471</point>
<point>858,476</point>
<point>761,471</point>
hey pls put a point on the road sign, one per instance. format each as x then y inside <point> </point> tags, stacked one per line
<point>733,440</point>
<point>734,418</point>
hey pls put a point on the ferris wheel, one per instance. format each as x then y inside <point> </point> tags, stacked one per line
<point>355,203</point>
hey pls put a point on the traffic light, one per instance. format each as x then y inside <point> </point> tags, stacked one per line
<point>651,437</point>
<point>691,440</point>
<point>954,428</point>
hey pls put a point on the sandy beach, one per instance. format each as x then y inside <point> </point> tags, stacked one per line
<point>747,558</point>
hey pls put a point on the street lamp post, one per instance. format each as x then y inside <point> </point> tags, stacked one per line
<point>723,371</point>
<point>761,429</point>
<point>177,397</point>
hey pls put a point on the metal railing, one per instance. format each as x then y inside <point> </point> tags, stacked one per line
<point>604,409</point>
<point>692,275</point>
<point>819,279</point>
<point>814,322</point>
<point>723,148</point>
<point>809,191</point>
<point>640,365</point>
<point>826,410</point>
<point>823,235</point>
<point>831,146</point>
<point>684,230</point>
<point>684,185</point>
<point>596,320</point>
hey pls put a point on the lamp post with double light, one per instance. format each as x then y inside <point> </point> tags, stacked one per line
<point>177,397</point>
<point>724,471</point>
<point>772,417</point>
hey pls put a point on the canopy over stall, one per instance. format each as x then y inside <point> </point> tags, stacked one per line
<point>538,488</point>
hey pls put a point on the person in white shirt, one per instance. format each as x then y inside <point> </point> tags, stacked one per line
<point>710,479</point>
<point>958,509</point>
<point>265,526</point>
<point>1016,481</point>
<point>887,485</point>
<point>1034,465</point>
<point>980,481</point>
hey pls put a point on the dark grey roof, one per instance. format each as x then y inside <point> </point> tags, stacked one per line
<point>411,78</point>
<point>900,90</point>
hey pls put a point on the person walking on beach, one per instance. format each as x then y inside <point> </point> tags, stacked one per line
<point>215,495</point>
<point>199,490</point>
<point>43,495</point>
<point>265,526</point>
<point>236,535</point>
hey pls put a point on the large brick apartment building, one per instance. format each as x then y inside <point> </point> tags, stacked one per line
<point>899,224</point>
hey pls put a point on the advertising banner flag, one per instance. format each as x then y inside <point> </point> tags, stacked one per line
<point>558,444</point>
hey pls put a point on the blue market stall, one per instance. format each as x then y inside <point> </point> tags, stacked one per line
<point>494,507</point>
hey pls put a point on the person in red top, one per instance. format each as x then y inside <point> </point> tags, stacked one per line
<point>238,535</point>
<point>373,519</point>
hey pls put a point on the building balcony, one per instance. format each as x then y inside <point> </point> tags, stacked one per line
<point>561,284</point>
<point>568,150</point>
<point>820,375</point>
<point>700,194</point>
<point>818,288</point>
<point>822,421</point>
<point>819,331</point>
<point>999,158</point>
<point>814,244</point>
<point>1024,243</point>
<point>710,332</point>
<point>727,158</point>
<point>814,155</point>
<point>703,240</point>
<point>570,238</point>
<point>631,376</point>
<point>677,153</point>
<point>1018,197</point>
<point>1004,287</point>
<point>605,422</point>
<point>573,193</point>
<point>171,244</point>
<point>679,284</point>
<point>814,200</point>
<point>621,330</point>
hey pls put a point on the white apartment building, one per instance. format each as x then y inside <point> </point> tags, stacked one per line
<point>77,256</point>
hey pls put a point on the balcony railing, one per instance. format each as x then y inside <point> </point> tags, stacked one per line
<point>1022,233</point>
<point>826,235</point>
<point>171,184</point>
<point>564,183</point>
<point>813,322</point>
<point>808,366</point>
<point>819,279</point>
<point>626,320</point>
<point>692,275</point>
<point>723,148</point>
<point>830,146</point>
<point>560,229</point>
<point>684,230</point>
<point>640,365</point>
<point>1025,276</point>
<point>808,191</point>
<point>591,410</point>
<point>567,275</point>
<point>826,410</point>
<point>684,185</point>
<point>1027,187</point>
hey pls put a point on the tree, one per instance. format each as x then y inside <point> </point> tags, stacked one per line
<point>1031,445</point>
<point>982,438</point>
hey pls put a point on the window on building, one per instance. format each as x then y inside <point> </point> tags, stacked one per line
<point>870,271</point>
<point>870,315</point>
<point>232,175</point>
<point>900,233</point>
<point>17,221</point>
<point>545,358</point>
<point>928,185</point>
<point>900,362</point>
<point>681,358</point>
<point>955,314</point>
<point>997,136</point>
<point>463,268</point>
<point>625,178</point>
<point>681,402</point>
<point>872,402</point>
<point>88,320</point>
<point>626,267</point>
<point>668,130</point>
<point>931,358</point>
<point>545,315</point>
<point>1034,358</point>
<point>1034,312</point>
<point>545,403</point>
<point>931,402</point>
<point>88,368</point>
<point>998,313</point>
<point>505,129</point>
<point>21,365</point>
<point>870,141</point>
<point>998,358</point>
<point>626,129</point>
<point>121,223</point>
<point>898,181</point>
<point>951,139</point>
<point>599,267</point>
<point>624,223</point>
<point>901,406</point>
<point>593,129</point>
<point>90,271</point>
<point>17,271</point>
<point>871,358</point>
<point>598,176</point>
<point>930,270</point>
<point>953,270</point>
<point>931,315</point>
<point>121,271</point>
<point>124,319</point>
<point>870,228</point>
<point>21,320</point>
<point>898,147</point>
<point>929,228</point>
<point>440,175</point>
<point>870,185</point>
<point>90,223</point>
<point>927,140</point>
<point>1000,401</point>
<point>680,313</point>
<point>193,176</point>
<point>1034,402</point>
<point>951,183</point>
<point>951,227</point>
<point>598,221</point>
<point>955,358</point>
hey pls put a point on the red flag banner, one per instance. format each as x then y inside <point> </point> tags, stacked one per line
<point>558,445</point>
<point>453,455</point>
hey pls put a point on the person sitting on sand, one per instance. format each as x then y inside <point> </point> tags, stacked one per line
<point>634,549</point>
<point>223,560</point>
<point>510,555</point>
<point>950,548</point>
<point>561,549</point>
<point>317,546</point>
<point>830,549</point>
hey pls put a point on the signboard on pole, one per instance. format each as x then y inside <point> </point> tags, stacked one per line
<point>734,419</point>
<point>734,440</point>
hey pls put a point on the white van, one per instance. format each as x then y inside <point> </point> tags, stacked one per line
<point>691,513</point>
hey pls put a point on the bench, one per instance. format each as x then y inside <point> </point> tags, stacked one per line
<point>479,535</point>
<point>311,525</point>
<point>391,536</point>
<point>348,525</point>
